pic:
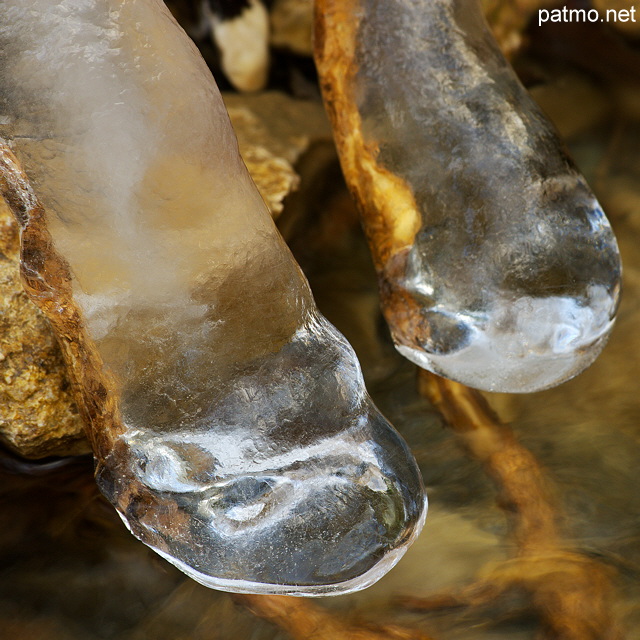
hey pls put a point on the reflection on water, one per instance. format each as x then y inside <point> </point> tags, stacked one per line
<point>70,571</point>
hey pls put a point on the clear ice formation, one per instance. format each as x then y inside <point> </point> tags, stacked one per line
<point>512,279</point>
<point>246,450</point>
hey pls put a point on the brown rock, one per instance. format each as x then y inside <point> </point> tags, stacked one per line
<point>273,132</point>
<point>292,25</point>
<point>286,127</point>
<point>38,416</point>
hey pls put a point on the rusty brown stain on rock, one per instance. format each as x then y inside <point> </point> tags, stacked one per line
<point>38,416</point>
<point>47,280</point>
<point>389,212</point>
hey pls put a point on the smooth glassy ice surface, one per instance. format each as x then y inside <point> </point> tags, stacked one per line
<point>515,272</point>
<point>252,456</point>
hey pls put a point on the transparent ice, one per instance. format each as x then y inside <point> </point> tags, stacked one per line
<point>251,456</point>
<point>515,270</point>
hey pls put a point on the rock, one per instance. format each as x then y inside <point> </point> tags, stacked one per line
<point>241,32</point>
<point>292,25</point>
<point>273,132</point>
<point>274,176</point>
<point>38,416</point>
<point>283,125</point>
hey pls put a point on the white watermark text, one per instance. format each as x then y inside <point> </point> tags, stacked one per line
<point>586,15</point>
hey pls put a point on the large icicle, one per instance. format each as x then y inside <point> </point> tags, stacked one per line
<point>497,266</point>
<point>230,423</point>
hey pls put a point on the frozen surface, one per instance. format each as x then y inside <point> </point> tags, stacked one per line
<point>252,456</point>
<point>515,271</point>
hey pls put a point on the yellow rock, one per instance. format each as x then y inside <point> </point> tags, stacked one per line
<point>38,416</point>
